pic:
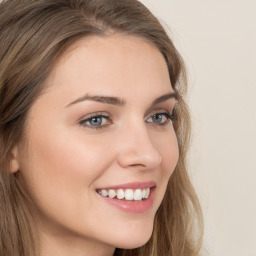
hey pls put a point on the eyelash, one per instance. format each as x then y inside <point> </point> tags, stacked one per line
<point>167,115</point>
<point>97,115</point>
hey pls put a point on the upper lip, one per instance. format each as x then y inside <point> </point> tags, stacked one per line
<point>132,185</point>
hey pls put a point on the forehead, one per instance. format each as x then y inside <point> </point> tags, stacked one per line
<point>122,43</point>
<point>116,63</point>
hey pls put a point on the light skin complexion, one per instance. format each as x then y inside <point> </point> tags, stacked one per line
<point>78,143</point>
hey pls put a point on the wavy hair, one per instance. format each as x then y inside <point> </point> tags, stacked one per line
<point>33,35</point>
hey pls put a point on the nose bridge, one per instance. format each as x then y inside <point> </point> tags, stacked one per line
<point>137,148</point>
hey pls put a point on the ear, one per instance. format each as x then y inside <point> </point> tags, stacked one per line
<point>14,163</point>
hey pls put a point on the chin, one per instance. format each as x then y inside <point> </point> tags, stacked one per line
<point>134,239</point>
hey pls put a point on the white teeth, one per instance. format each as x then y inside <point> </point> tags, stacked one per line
<point>147,192</point>
<point>128,194</point>
<point>111,193</point>
<point>104,192</point>
<point>137,195</point>
<point>120,194</point>
<point>143,193</point>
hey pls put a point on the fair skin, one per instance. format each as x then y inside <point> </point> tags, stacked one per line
<point>65,160</point>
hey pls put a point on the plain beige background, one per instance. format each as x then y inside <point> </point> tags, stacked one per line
<point>218,42</point>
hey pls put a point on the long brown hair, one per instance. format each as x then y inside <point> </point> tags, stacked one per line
<point>33,34</point>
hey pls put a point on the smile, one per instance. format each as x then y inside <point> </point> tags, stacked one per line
<point>126,194</point>
<point>134,197</point>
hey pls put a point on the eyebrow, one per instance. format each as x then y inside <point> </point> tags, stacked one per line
<point>102,99</point>
<point>118,101</point>
<point>172,95</point>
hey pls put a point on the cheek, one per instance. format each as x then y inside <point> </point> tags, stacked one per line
<point>167,146</point>
<point>62,163</point>
<point>59,174</point>
<point>170,155</point>
<point>169,150</point>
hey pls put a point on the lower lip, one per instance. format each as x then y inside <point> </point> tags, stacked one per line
<point>132,206</point>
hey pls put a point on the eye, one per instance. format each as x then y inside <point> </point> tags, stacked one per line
<point>160,118</point>
<point>95,121</point>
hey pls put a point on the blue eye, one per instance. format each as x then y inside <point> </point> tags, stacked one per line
<point>97,121</point>
<point>160,118</point>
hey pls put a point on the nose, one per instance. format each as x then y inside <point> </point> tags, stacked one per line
<point>136,149</point>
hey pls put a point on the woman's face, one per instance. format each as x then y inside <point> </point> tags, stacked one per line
<point>101,128</point>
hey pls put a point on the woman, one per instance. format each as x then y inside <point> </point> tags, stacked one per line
<point>94,132</point>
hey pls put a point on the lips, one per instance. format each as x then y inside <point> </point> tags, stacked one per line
<point>132,197</point>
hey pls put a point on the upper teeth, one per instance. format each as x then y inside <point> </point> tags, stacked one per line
<point>128,194</point>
